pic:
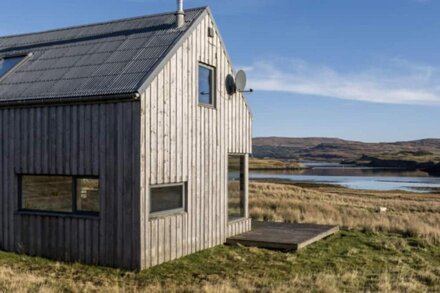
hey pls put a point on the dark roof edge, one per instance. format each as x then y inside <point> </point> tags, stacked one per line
<point>66,100</point>
<point>171,51</point>
<point>96,23</point>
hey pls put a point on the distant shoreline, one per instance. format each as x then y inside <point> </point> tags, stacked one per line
<point>320,185</point>
<point>257,164</point>
<point>430,167</point>
<point>421,154</point>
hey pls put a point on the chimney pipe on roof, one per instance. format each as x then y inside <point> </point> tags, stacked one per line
<point>180,14</point>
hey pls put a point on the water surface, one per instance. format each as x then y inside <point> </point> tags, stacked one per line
<point>356,177</point>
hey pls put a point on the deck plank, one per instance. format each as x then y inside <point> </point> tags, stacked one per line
<point>284,236</point>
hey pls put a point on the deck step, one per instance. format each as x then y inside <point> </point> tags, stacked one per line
<point>282,236</point>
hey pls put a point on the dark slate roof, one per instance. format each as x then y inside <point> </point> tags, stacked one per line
<point>93,60</point>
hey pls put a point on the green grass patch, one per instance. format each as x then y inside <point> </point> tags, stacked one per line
<point>347,261</point>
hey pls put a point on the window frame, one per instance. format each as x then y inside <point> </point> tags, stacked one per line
<point>25,57</point>
<point>172,211</point>
<point>213,86</point>
<point>244,172</point>
<point>75,212</point>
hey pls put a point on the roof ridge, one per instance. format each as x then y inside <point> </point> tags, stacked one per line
<point>99,23</point>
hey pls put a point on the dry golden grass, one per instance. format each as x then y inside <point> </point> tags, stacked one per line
<point>358,260</point>
<point>415,214</point>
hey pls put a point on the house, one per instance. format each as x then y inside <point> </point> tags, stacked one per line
<point>120,143</point>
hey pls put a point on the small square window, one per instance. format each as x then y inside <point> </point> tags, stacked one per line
<point>167,199</point>
<point>206,85</point>
<point>7,64</point>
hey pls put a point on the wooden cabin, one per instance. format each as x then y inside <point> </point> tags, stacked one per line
<point>120,144</point>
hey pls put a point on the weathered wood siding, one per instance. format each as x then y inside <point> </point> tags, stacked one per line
<point>184,142</point>
<point>100,140</point>
<point>238,227</point>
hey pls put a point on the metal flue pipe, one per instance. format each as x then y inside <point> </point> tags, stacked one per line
<point>180,14</point>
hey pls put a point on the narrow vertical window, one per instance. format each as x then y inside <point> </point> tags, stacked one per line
<point>87,197</point>
<point>206,85</point>
<point>236,187</point>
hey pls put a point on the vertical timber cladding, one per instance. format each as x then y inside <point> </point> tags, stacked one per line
<point>96,139</point>
<point>184,142</point>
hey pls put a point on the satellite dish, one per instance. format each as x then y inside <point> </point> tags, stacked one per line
<point>230,85</point>
<point>240,81</point>
<point>237,84</point>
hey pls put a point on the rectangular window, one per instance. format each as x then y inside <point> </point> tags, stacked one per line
<point>167,199</point>
<point>87,195</point>
<point>7,64</point>
<point>60,194</point>
<point>206,85</point>
<point>47,193</point>
<point>236,187</point>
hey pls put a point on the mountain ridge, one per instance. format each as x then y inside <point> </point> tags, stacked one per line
<point>338,150</point>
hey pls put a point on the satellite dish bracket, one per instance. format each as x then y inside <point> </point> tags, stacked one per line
<point>237,84</point>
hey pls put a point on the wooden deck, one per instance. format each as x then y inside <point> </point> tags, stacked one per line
<point>282,236</point>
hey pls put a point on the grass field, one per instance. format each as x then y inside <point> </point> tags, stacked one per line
<point>351,260</point>
<point>413,214</point>
<point>374,252</point>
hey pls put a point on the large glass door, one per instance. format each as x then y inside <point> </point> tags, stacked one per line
<point>236,187</point>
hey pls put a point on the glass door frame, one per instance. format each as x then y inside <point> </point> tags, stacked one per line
<point>244,167</point>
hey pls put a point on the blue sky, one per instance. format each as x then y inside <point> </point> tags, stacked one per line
<point>362,70</point>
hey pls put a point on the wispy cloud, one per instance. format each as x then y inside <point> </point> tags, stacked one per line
<point>396,81</point>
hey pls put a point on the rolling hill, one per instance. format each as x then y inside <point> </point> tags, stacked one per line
<point>314,149</point>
